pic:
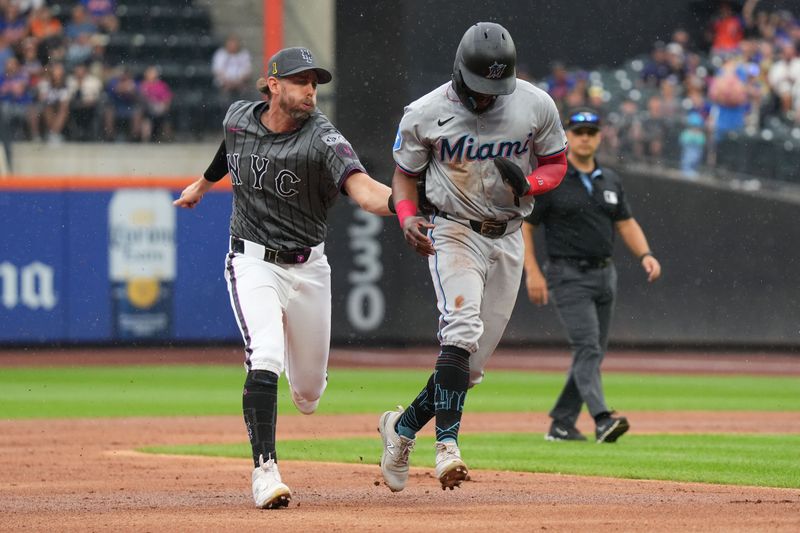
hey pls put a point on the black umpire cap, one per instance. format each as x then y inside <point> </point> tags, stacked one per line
<point>583,117</point>
<point>294,60</point>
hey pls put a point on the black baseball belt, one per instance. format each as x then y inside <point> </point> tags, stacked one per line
<point>253,249</point>
<point>494,229</point>
<point>583,263</point>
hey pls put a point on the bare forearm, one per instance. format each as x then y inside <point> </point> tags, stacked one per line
<point>633,237</point>
<point>404,187</point>
<point>370,195</point>
<point>192,194</point>
<point>530,262</point>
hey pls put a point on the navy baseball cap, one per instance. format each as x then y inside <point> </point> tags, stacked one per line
<point>583,118</point>
<point>294,60</point>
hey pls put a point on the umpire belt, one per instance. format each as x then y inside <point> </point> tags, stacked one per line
<point>259,251</point>
<point>584,263</point>
<point>494,229</point>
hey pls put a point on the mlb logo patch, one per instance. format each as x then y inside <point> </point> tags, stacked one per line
<point>610,197</point>
<point>332,139</point>
<point>398,141</point>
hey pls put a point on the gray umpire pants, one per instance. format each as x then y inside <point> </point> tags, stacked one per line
<point>584,300</point>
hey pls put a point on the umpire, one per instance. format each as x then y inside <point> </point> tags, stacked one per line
<point>580,217</point>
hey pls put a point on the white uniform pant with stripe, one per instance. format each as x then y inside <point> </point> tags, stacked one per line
<point>476,280</point>
<point>284,315</point>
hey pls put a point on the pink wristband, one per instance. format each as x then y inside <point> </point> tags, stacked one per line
<point>405,209</point>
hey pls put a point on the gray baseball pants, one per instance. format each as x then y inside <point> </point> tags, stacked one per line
<point>584,300</point>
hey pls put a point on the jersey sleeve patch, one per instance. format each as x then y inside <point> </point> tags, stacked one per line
<point>398,141</point>
<point>332,139</point>
<point>345,150</point>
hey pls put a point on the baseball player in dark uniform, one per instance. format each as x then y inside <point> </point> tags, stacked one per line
<point>580,218</point>
<point>287,163</point>
<point>473,139</point>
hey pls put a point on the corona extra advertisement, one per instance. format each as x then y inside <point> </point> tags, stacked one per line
<point>142,261</point>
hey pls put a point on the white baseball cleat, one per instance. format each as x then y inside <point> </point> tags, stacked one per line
<point>269,492</point>
<point>396,449</point>
<point>450,469</point>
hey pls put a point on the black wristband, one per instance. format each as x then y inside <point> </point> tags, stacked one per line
<point>391,204</point>
<point>645,255</point>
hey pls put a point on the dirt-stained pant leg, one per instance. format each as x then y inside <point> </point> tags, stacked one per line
<point>308,331</point>
<point>476,281</point>
<point>458,270</point>
<point>500,295</point>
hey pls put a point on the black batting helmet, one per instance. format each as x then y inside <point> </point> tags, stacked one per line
<point>485,62</point>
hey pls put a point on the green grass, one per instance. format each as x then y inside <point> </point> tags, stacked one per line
<point>759,460</point>
<point>190,390</point>
<point>215,390</point>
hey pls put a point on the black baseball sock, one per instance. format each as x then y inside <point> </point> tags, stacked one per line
<point>451,379</point>
<point>260,407</point>
<point>418,413</point>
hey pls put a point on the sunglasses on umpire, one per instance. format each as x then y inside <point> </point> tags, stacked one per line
<point>584,117</point>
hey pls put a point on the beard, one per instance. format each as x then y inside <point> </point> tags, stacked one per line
<point>292,108</point>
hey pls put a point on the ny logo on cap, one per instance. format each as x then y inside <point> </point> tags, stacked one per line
<point>307,55</point>
<point>496,71</point>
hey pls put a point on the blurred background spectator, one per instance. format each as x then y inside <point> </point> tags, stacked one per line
<point>729,98</point>
<point>122,117</point>
<point>53,97</point>
<point>17,101</point>
<point>85,90</point>
<point>103,14</point>
<point>14,24</point>
<point>654,130</point>
<point>693,143</point>
<point>725,31</point>
<point>232,68</point>
<point>783,78</point>
<point>657,68</point>
<point>559,83</point>
<point>157,99</point>
<point>79,23</point>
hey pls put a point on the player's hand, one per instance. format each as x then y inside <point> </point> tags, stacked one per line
<point>653,268</point>
<point>512,176</point>
<point>190,196</point>
<point>537,288</point>
<point>415,231</point>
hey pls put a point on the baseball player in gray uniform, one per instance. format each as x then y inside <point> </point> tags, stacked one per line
<point>287,163</point>
<point>486,143</point>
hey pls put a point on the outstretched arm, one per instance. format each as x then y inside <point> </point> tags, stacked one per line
<point>370,195</point>
<point>191,195</point>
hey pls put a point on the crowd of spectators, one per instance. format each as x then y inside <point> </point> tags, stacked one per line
<point>687,97</point>
<point>673,108</point>
<point>56,84</point>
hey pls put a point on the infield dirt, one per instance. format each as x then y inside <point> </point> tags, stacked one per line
<point>84,475</point>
